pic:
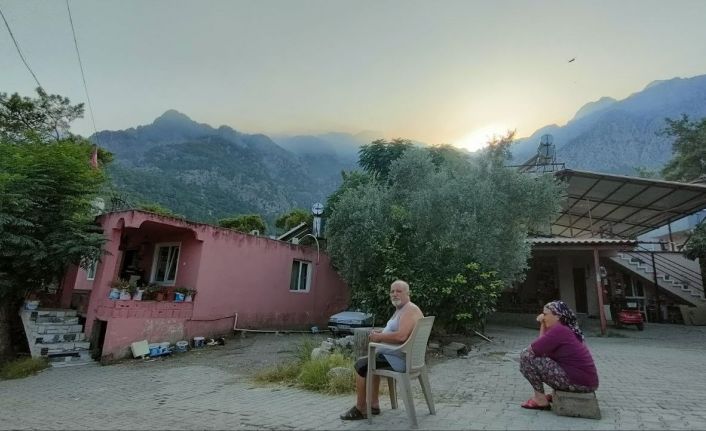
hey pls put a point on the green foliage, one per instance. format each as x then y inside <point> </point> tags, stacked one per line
<point>244,223</point>
<point>47,187</point>
<point>46,215</point>
<point>377,157</point>
<point>285,373</point>
<point>689,148</point>
<point>643,172</point>
<point>314,373</point>
<point>158,209</point>
<point>444,222</point>
<point>47,118</point>
<point>22,368</point>
<point>696,245</point>
<point>293,218</point>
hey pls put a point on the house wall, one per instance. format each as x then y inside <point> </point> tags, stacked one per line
<point>250,276</point>
<point>236,276</point>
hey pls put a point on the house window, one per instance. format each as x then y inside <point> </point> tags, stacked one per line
<point>91,270</point>
<point>301,276</point>
<point>165,264</point>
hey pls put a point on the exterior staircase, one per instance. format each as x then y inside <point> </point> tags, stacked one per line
<point>57,335</point>
<point>675,274</point>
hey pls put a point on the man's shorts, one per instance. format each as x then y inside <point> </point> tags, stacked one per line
<point>361,365</point>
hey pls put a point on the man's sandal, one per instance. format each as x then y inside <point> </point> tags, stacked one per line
<point>355,415</point>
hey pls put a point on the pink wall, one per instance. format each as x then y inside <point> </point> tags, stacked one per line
<point>250,276</point>
<point>233,274</point>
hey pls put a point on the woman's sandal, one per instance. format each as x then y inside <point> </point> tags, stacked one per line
<point>532,405</point>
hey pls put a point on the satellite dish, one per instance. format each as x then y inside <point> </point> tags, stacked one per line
<point>317,208</point>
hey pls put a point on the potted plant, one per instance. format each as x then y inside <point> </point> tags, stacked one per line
<point>120,289</point>
<point>180,294</point>
<point>137,292</point>
<point>155,292</point>
<point>190,293</point>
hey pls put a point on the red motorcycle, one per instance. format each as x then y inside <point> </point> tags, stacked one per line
<point>629,314</point>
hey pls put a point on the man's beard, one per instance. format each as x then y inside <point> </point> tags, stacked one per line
<point>396,302</point>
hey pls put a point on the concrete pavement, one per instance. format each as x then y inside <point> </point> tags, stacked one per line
<point>649,380</point>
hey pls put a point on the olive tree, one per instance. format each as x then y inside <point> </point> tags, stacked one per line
<point>453,226</point>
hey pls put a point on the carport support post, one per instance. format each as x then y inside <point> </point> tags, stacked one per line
<point>599,289</point>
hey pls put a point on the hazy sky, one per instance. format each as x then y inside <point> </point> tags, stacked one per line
<point>436,71</point>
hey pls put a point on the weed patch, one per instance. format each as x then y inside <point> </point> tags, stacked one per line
<point>311,374</point>
<point>21,368</point>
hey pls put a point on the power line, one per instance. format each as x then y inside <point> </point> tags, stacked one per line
<point>83,76</point>
<point>18,49</point>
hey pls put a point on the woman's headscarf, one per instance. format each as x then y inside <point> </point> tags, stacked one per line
<point>566,316</point>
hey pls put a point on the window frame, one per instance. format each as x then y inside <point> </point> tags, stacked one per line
<point>309,276</point>
<point>91,270</point>
<point>157,247</point>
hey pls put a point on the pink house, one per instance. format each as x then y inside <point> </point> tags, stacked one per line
<point>240,279</point>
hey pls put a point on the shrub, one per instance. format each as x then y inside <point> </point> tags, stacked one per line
<point>21,368</point>
<point>280,373</point>
<point>314,373</point>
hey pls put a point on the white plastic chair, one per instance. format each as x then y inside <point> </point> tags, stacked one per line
<point>415,349</point>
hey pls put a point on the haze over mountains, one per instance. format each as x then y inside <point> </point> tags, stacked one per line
<point>617,136</point>
<point>207,173</point>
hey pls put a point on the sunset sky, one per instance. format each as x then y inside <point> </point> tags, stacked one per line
<point>434,71</point>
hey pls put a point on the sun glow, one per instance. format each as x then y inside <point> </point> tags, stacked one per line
<point>479,138</point>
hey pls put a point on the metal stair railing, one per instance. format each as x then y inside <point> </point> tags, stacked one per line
<point>668,270</point>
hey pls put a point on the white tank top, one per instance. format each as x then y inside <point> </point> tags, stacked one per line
<point>395,358</point>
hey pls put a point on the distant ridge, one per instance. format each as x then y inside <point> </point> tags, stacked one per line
<point>616,136</point>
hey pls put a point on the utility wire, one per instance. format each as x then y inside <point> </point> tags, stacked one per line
<point>83,76</point>
<point>18,49</point>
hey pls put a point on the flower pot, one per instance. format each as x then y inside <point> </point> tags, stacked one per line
<point>189,298</point>
<point>31,304</point>
<point>178,297</point>
<point>114,293</point>
<point>138,295</point>
<point>159,296</point>
<point>125,295</point>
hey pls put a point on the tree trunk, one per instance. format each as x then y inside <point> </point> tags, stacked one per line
<point>7,352</point>
<point>360,341</point>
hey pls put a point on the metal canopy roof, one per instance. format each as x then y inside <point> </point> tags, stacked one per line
<point>620,206</point>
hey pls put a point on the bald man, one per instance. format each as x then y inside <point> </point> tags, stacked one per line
<point>397,331</point>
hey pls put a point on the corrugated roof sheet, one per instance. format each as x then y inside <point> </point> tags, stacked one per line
<point>622,206</point>
<point>582,241</point>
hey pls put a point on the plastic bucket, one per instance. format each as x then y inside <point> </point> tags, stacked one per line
<point>179,297</point>
<point>199,342</point>
<point>181,346</point>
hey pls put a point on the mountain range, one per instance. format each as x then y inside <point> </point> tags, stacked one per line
<point>617,136</point>
<point>207,173</point>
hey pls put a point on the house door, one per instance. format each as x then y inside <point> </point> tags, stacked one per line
<point>98,338</point>
<point>580,290</point>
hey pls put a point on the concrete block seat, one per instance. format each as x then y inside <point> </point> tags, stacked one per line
<point>575,404</point>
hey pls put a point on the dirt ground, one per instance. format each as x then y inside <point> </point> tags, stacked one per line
<point>245,353</point>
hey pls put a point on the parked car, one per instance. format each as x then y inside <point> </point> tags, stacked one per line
<point>345,321</point>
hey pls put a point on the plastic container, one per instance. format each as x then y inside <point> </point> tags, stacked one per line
<point>154,349</point>
<point>182,346</point>
<point>179,297</point>
<point>199,342</point>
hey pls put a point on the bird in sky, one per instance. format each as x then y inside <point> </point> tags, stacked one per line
<point>570,61</point>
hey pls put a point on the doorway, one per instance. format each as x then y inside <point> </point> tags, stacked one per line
<point>580,290</point>
<point>98,338</point>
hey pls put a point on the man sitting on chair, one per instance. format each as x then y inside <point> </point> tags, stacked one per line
<point>397,331</point>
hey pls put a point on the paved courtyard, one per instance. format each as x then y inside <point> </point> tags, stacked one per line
<point>654,379</point>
